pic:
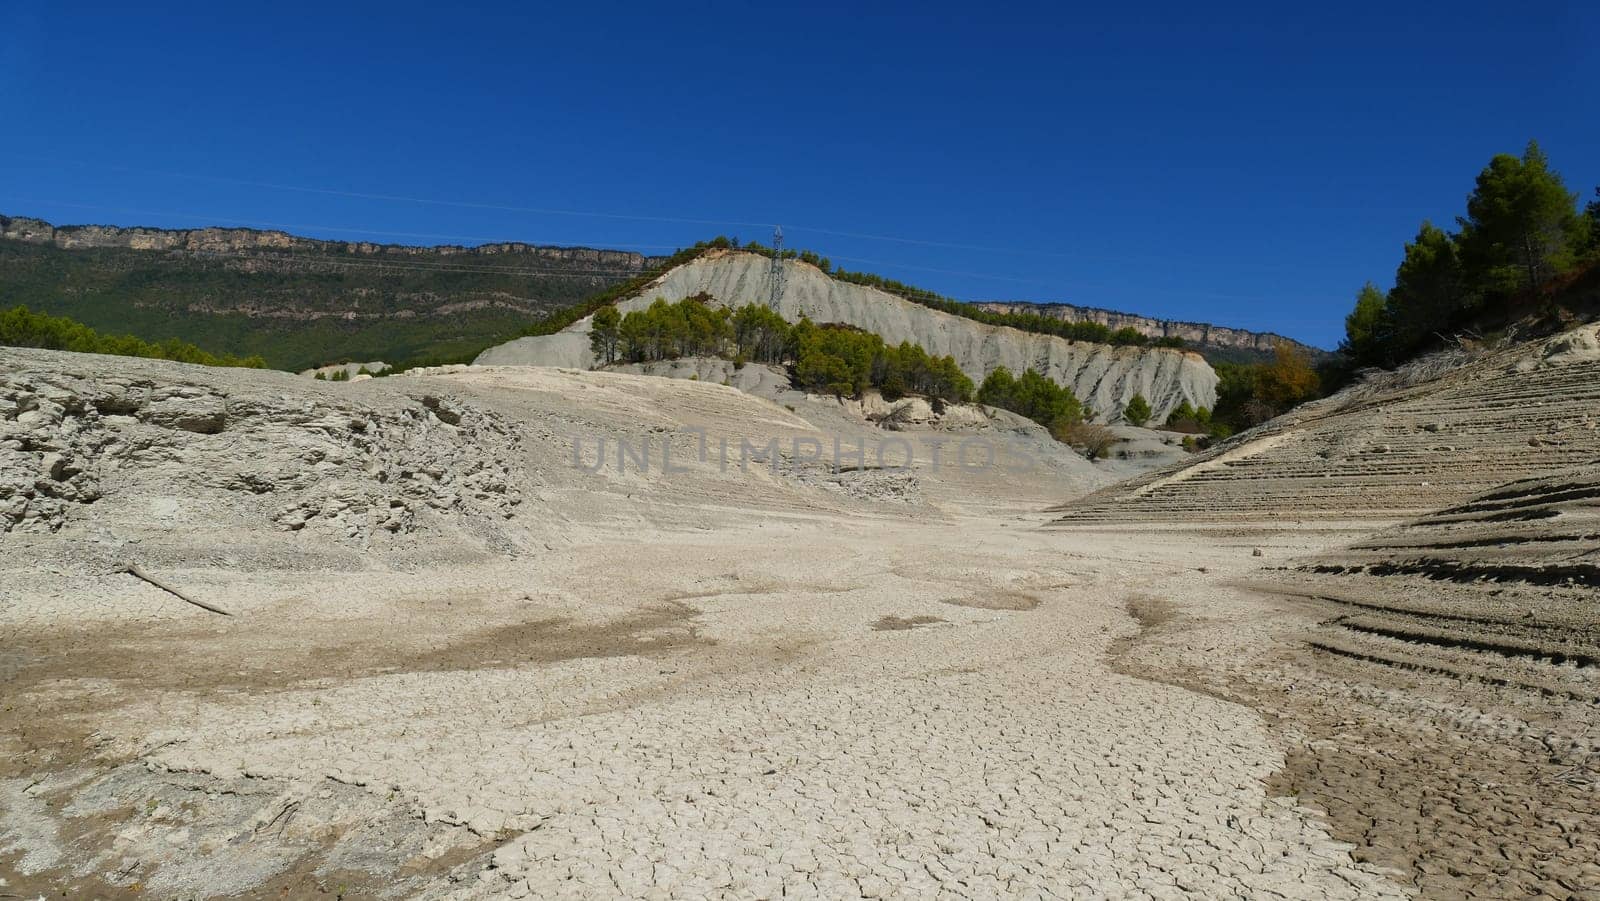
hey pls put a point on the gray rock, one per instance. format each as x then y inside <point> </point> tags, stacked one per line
<point>205,414</point>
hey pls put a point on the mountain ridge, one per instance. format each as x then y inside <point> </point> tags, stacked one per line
<point>1201,335</point>
<point>297,302</point>
<point>225,239</point>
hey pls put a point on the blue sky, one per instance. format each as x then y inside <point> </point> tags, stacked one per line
<point>1249,165</point>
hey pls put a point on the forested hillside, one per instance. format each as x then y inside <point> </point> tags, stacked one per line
<point>296,302</point>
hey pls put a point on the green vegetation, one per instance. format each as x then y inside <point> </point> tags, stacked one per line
<point>831,358</point>
<point>841,359</point>
<point>301,308</point>
<point>20,327</point>
<point>1186,418</point>
<point>1137,412</point>
<point>1248,395</point>
<point>1522,233</point>
<point>561,318</point>
<point>1032,395</point>
<point>1091,332</point>
<point>605,334</point>
<point>667,331</point>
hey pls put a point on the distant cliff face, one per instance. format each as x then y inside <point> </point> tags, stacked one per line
<point>1197,334</point>
<point>297,302</point>
<point>1104,377</point>
<point>236,240</point>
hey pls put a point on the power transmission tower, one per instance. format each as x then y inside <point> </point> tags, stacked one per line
<point>775,274</point>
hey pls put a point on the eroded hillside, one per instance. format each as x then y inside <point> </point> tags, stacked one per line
<point>1104,377</point>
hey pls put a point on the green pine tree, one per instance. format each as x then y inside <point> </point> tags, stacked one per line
<point>1137,412</point>
<point>1522,226</point>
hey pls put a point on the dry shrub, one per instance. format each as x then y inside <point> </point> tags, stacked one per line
<point>1093,439</point>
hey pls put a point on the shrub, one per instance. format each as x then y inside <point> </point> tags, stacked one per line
<point>1137,412</point>
<point>1186,418</point>
<point>1093,439</point>
<point>1032,395</point>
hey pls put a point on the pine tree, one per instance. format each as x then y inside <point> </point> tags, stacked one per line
<point>1137,412</point>
<point>1430,294</point>
<point>1522,225</point>
<point>605,334</point>
<point>1363,327</point>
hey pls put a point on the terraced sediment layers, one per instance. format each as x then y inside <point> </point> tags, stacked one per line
<point>1104,377</point>
<point>1435,679</point>
<point>1501,589</point>
<point>1394,446</point>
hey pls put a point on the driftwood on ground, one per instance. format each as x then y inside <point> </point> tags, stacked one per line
<point>133,569</point>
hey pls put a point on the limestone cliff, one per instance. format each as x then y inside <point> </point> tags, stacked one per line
<point>1199,334</point>
<point>1104,377</point>
<point>236,240</point>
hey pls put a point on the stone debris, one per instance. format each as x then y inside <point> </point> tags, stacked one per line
<point>337,465</point>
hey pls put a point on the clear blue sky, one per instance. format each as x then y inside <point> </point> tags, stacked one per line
<point>1248,166</point>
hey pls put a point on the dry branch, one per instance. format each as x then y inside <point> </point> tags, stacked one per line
<point>134,570</point>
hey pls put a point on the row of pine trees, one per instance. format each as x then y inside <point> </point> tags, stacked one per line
<point>1523,230</point>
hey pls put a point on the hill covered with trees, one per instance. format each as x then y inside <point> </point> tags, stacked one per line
<point>1523,249</point>
<point>830,358</point>
<point>20,327</point>
<point>297,302</point>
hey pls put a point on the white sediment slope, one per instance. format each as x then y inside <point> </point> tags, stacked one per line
<point>1104,377</point>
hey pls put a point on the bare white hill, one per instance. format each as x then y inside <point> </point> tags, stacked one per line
<point>1103,376</point>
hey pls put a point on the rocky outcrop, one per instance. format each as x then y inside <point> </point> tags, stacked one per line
<point>346,371</point>
<point>237,240</point>
<point>73,428</point>
<point>1104,377</point>
<point>1199,334</point>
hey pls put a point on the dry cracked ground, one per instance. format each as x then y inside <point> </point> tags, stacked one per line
<point>454,664</point>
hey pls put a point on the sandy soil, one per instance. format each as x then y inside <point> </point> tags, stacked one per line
<point>541,682</point>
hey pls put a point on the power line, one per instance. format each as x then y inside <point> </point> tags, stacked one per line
<point>775,271</point>
<point>257,223</point>
<point>637,217</point>
<point>618,273</point>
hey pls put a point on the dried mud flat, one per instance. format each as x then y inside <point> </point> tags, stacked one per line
<point>1461,786</point>
<point>770,737</point>
<point>540,682</point>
